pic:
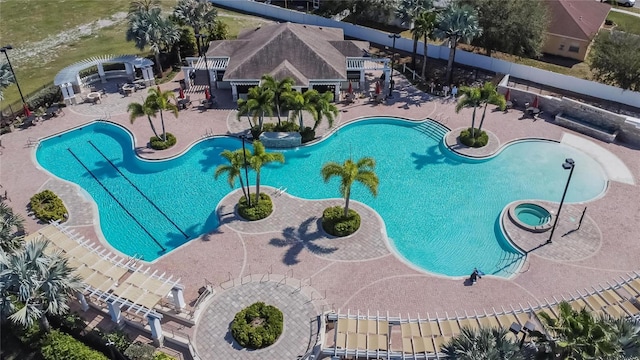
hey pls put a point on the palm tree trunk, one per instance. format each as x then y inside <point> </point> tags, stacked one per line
<point>278,109</point>
<point>261,120</point>
<point>164,133</point>
<point>301,121</point>
<point>424,62</point>
<point>44,323</point>
<point>473,123</point>
<point>244,192</point>
<point>153,128</point>
<point>484,112</point>
<point>257,185</point>
<point>157,55</point>
<point>453,42</point>
<point>415,52</point>
<point>346,205</point>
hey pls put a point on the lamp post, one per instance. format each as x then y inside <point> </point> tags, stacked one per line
<point>6,54</point>
<point>568,164</point>
<point>393,53</point>
<point>206,63</point>
<point>525,330</point>
<point>246,169</point>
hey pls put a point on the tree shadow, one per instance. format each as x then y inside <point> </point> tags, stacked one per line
<point>300,239</point>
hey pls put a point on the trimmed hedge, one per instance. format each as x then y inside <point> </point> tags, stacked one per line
<point>58,345</point>
<point>47,206</point>
<point>257,326</point>
<point>307,134</point>
<point>258,211</point>
<point>156,143</point>
<point>140,351</point>
<point>285,126</point>
<point>334,222</point>
<point>481,138</point>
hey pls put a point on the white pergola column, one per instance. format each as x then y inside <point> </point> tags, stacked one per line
<point>147,75</point>
<point>234,92</point>
<point>83,301</point>
<point>178,297</point>
<point>212,77</point>
<point>115,312</point>
<point>387,78</point>
<point>361,79</point>
<point>187,81</point>
<point>156,329</point>
<point>336,92</point>
<point>103,78</point>
<point>129,69</point>
<point>72,95</point>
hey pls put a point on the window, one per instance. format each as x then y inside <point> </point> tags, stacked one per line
<point>574,48</point>
<point>561,46</point>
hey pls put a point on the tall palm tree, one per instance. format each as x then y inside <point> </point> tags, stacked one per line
<point>579,335</point>
<point>195,13</point>
<point>299,103</point>
<point>278,87</point>
<point>408,12</point>
<point>324,108</point>
<point>457,23</point>
<point>147,108</point>
<point>260,103</point>
<point>6,78</point>
<point>150,28</point>
<point>627,333</point>
<point>261,157</point>
<point>423,27</point>
<point>41,284</point>
<point>11,229</point>
<point>143,5</point>
<point>470,97</point>
<point>485,344</point>
<point>348,172</point>
<point>233,169</point>
<point>243,109</point>
<point>161,100</point>
<point>489,95</point>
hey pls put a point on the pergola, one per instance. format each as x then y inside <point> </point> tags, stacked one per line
<point>71,83</point>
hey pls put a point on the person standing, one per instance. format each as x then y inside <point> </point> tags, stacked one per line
<point>454,91</point>
<point>446,90</point>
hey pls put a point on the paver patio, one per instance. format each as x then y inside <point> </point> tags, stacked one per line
<point>361,273</point>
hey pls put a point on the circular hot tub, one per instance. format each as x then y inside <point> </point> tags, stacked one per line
<point>529,216</point>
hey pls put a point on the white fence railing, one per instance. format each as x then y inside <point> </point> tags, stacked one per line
<point>544,77</point>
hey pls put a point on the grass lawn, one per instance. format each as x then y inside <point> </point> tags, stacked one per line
<point>625,22</point>
<point>45,21</point>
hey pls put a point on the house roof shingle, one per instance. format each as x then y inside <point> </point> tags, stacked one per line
<point>302,52</point>
<point>580,19</point>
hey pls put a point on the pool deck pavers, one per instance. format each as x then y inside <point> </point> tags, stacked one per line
<point>359,273</point>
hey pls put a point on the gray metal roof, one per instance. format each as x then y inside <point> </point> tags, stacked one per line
<point>70,73</point>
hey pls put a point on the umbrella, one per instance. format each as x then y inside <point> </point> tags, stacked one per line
<point>535,103</point>
<point>181,94</point>
<point>206,94</point>
<point>27,112</point>
<point>507,95</point>
<point>350,88</point>
<point>377,87</point>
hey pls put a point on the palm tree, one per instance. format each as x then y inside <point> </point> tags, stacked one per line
<point>423,27</point>
<point>243,109</point>
<point>298,103</point>
<point>455,24</point>
<point>11,229</point>
<point>579,335</point>
<point>485,344</point>
<point>195,13</point>
<point>627,333</point>
<point>349,171</point>
<point>161,100</point>
<point>40,284</point>
<point>6,78</point>
<point>470,97</point>
<point>323,108</point>
<point>259,103</point>
<point>233,169</point>
<point>152,29</point>
<point>147,108</point>
<point>408,11</point>
<point>489,95</point>
<point>261,157</point>
<point>278,88</point>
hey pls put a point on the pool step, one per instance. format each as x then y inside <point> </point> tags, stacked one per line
<point>432,129</point>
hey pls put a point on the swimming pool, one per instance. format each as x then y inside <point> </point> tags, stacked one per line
<point>441,210</point>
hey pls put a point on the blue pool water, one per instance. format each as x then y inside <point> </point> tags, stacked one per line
<point>440,210</point>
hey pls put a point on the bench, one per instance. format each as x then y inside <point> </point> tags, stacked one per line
<point>598,132</point>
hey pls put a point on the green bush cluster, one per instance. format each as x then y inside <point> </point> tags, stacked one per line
<point>257,211</point>
<point>481,138</point>
<point>257,326</point>
<point>157,143</point>
<point>334,222</point>
<point>307,134</point>
<point>284,126</point>
<point>159,355</point>
<point>50,94</point>
<point>48,206</point>
<point>140,351</point>
<point>58,345</point>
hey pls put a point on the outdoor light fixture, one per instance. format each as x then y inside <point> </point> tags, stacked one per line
<point>568,164</point>
<point>393,52</point>
<point>6,54</point>
<point>515,328</point>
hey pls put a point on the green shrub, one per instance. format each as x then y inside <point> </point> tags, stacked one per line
<point>481,138</point>
<point>258,211</point>
<point>70,323</point>
<point>287,126</point>
<point>257,326</point>
<point>159,355</point>
<point>47,206</point>
<point>158,144</point>
<point>120,340</point>
<point>307,134</point>
<point>50,94</point>
<point>58,345</point>
<point>334,222</point>
<point>140,351</point>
